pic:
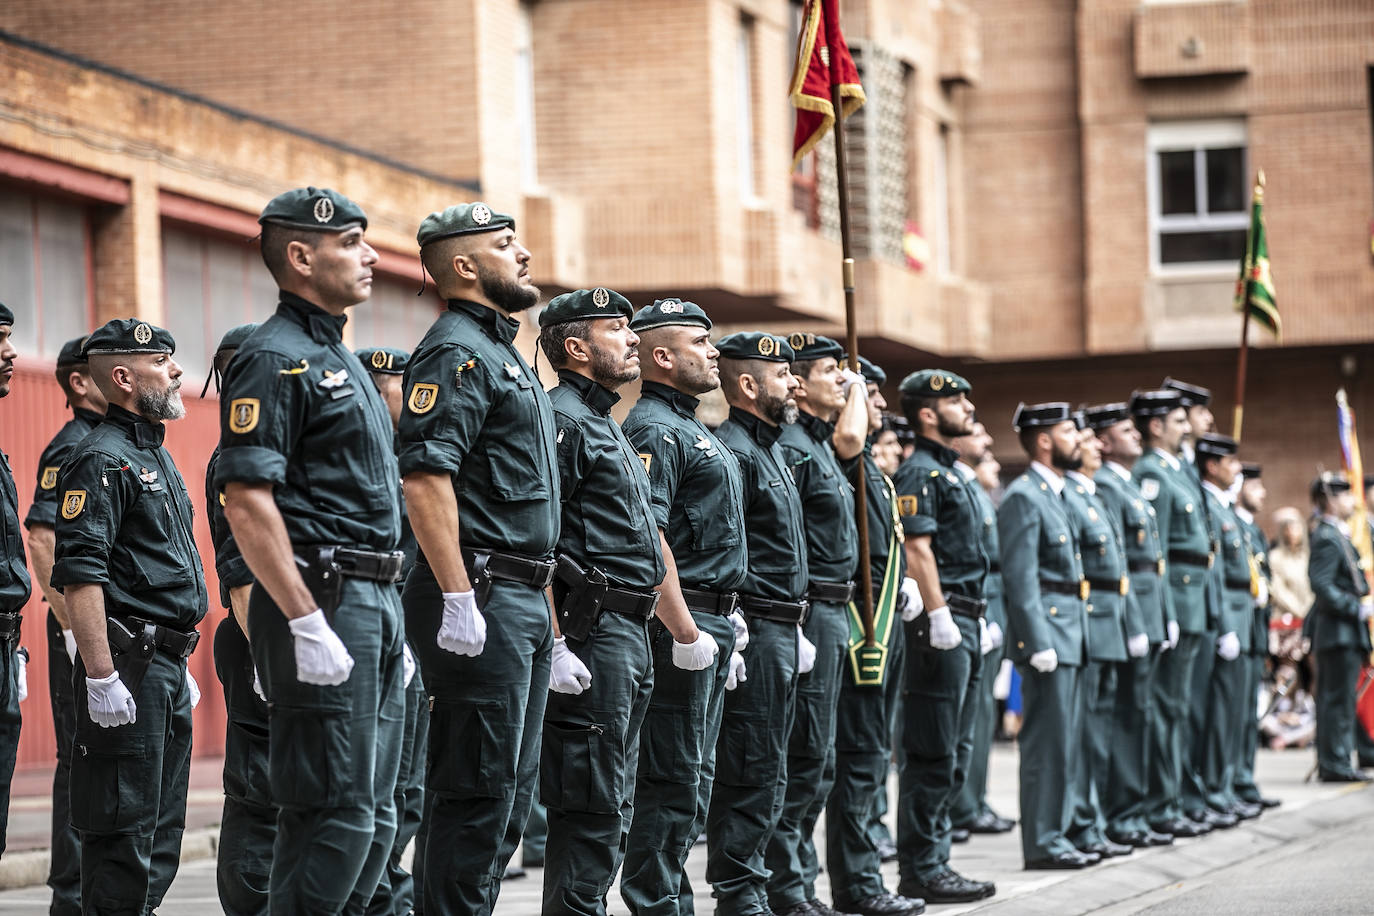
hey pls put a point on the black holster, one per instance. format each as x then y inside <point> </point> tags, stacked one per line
<point>131,650</point>
<point>324,579</point>
<point>577,596</point>
<point>480,579</point>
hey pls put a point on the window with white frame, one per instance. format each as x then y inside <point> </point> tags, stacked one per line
<point>1197,189</point>
<point>45,270</point>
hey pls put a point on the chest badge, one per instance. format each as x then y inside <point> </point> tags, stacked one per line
<point>1149,488</point>
<point>512,371</point>
<point>243,415</point>
<point>147,476</point>
<point>72,503</point>
<point>705,445</point>
<point>423,396</point>
<point>333,380</point>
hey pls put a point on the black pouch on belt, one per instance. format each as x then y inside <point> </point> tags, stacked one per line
<point>577,595</point>
<point>324,579</point>
<point>131,650</point>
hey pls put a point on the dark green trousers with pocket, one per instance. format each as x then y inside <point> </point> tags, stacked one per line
<point>972,800</point>
<point>1194,785</point>
<point>1049,740</point>
<point>1171,738</point>
<point>1337,669</point>
<point>64,865</point>
<point>1132,731</point>
<point>1094,759</point>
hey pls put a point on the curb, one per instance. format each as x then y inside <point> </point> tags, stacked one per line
<point>30,868</point>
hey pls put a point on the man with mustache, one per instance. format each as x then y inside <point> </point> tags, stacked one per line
<point>308,475</point>
<point>14,593</point>
<point>127,565</point>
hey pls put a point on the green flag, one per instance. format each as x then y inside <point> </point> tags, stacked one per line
<point>1255,287</point>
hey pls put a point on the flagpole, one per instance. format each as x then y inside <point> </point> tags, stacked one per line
<point>852,339</point>
<point>1246,265</point>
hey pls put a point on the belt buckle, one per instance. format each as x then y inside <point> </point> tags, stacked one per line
<point>653,604</point>
<point>1084,589</point>
<point>192,642</point>
<point>1159,567</point>
<point>734,602</point>
<point>1125,585</point>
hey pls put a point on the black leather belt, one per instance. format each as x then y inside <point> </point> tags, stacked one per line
<point>1191,556</point>
<point>630,603</point>
<point>1238,584</point>
<point>1120,586</point>
<point>994,568</point>
<point>722,603</point>
<point>509,566</point>
<point>1078,589</point>
<point>9,625</point>
<point>376,565</point>
<point>780,611</point>
<point>831,592</point>
<point>173,642</point>
<point>965,606</point>
<point>1140,566</point>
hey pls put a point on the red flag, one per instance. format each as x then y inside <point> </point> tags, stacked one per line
<point>822,61</point>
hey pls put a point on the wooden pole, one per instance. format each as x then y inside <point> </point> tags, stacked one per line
<point>1245,267</point>
<point>852,340</point>
<point>1240,373</point>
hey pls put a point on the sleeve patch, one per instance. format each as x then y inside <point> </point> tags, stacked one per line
<point>243,415</point>
<point>72,503</point>
<point>49,478</point>
<point>1149,488</point>
<point>423,396</point>
<point>906,505</point>
<point>648,459</point>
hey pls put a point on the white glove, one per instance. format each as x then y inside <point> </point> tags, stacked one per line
<point>741,631</point>
<point>850,378</point>
<point>806,652</point>
<point>321,657</point>
<point>996,634</point>
<point>1171,634</point>
<point>944,632</point>
<point>567,674</point>
<point>984,637</point>
<point>69,638</point>
<point>257,685</point>
<point>464,629</point>
<point>736,675</point>
<point>1228,646</point>
<point>1262,599</point>
<point>1138,646</point>
<point>693,656</point>
<point>109,701</point>
<point>1044,661</point>
<point>1366,608</point>
<point>407,663</point>
<point>194,688</point>
<point>21,662</point>
<point>913,606</point>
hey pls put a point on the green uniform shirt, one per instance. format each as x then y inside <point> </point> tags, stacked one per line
<point>43,510</point>
<point>475,411</point>
<point>607,523</point>
<point>1104,566</point>
<point>1232,570</point>
<point>1183,528</point>
<point>992,585</point>
<point>696,490</point>
<point>230,567</point>
<point>827,499</point>
<point>1338,583</point>
<point>772,509</point>
<point>125,524</point>
<point>1149,605</point>
<point>298,412</point>
<point>1258,546</point>
<point>14,572</point>
<point>934,499</point>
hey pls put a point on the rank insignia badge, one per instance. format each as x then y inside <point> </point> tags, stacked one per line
<point>72,503</point>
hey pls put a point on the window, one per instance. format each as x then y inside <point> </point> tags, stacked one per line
<point>45,271</point>
<point>744,104</point>
<point>1197,195</point>
<point>393,316</point>
<point>524,95</point>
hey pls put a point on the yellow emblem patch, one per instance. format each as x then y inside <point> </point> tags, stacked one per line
<point>936,383</point>
<point>423,397</point>
<point>243,415</point>
<point>906,505</point>
<point>648,459</point>
<point>49,478</point>
<point>73,503</point>
<point>767,345</point>
<point>381,360</point>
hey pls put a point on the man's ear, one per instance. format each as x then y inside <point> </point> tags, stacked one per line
<point>577,349</point>
<point>300,257</point>
<point>749,386</point>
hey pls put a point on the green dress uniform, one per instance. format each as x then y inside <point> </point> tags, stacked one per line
<point>751,752</point>
<point>297,414</point>
<point>1243,785</point>
<point>832,555</point>
<point>1103,559</point>
<point>697,496</point>
<point>125,524</point>
<point>14,594</point>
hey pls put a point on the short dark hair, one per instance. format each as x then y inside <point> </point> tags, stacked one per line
<point>913,404</point>
<point>64,379</point>
<point>802,368</point>
<point>1203,460</point>
<point>273,243</point>
<point>1027,437</point>
<point>552,338</point>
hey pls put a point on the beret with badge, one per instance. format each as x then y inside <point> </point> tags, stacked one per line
<point>384,360</point>
<point>582,304</point>
<point>315,209</point>
<point>1191,395</point>
<point>872,372</point>
<point>807,347</point>
<point>1155,403</point>
<point>1105,416</point>
<point>6,316</point>
<point>935,383</point>
<point>72,354</point>
<point>461,219</point>
<point>756,345</point>
<point>129,335</point>
<point>668,313</point>
<point>1041,416</point>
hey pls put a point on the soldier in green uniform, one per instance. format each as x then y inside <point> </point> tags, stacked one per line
<point>88,409</point>
<point>1111,632</point>
<point>943,520</point>
<point>1340,626</point>
<point>751,752</point>
<point>481,488</point>
<point>1249,503</point>
<point>308,476</point>
<point>127,563</point>
<point>870,686</point>
<point>1147,612</point>
<point>697,496</point>
<point>14,594</point>
<point>971,810</point>
<point>820,448</point>
<point>1169,487</point>
<point>1197,402</point>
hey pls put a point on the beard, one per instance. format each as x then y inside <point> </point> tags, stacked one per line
<point>948,429</point>
<point>610,371</point>
<point>780,411</point>
<point>507,295</point>
<point>157,406</point>
<point>1066,461</point>
<point>696,379</point>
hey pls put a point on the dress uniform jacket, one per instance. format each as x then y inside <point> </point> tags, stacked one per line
<point>1104,567</point>
<point>1149,606</point>
<point>1173,493</point>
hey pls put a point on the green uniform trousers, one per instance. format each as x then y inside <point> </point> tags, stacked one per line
<point>673,786</point>
<point>64,864</point>
<point>1049,740</point>
<point>751,769</point>
<point>395,893</point>
<point>791,854</point>
<point>863,753</point>
<point>1132,731</point>
<point>972,800</point>
<point>588,766</point>
<point>892,691</point>
<point>129,792</point>
<point>1170,742</point>
<point>248,826</point>
<point>1243,784</point>
<point>939,708</point>
<point>1092,762</point>
<point>536,834</point>
<point>486,718</point>
<point>1193,788</point>
<point>1221,745</point>
<point>333,752</point>
<point>10,721</point>
<point>1337,670</point>
<point>715,712</point>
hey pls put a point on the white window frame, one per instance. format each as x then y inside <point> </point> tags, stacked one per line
<point>1198,136</point>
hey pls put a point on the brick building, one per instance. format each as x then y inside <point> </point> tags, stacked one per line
<point>1078,173</point>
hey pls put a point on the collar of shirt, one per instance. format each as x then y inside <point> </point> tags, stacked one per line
<point>1342,527</point>
<point>944,455</point>
<point>323,327</point>
<point>500,326</point>
<point>1120,470</point>
<point>1084,479</point>
<point>765,434</point>
<point>1187,453</point>
<point>968,472</point>
<point>144,434</point>
<point>1171,460</point>
<point>90,416</point>
<point>1244,514</point>
<point>816,428</point>
<point>1053,479</point>
<point>684,404</point>
<point>593,394</point>
<point>1223,496</point>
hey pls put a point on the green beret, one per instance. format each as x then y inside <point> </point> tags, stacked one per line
<point>585,303</point>
<point>756,345</point>
<point>129,335</point>
<point>935,383</point>
<point>872,372</point>
<point>1213,445</point>
<point>1040,416</point>
<point>461,219</point>
<point>1105,416</point>
<point>669,312</point>
<point>1192,395</point>
<point>316,209</point>
<point>6,316</point>
<point>1155,403</point>
<point>234,337</point>
<point>71,354</point>
<point>386,360</point>
<point>806,347</point>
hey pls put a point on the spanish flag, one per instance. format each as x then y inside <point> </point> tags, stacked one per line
<point>822,61</point>
<point>1255,287</point>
